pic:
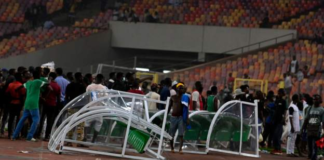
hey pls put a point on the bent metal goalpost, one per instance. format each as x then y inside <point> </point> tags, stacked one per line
<point>126,128</point>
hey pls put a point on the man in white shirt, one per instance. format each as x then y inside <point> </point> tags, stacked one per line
<point>153,95</point>
<point>96,123</point>
<point>293,66</point>
<point>295,126</point>
<point>288,84</point>
<point>196,98</point>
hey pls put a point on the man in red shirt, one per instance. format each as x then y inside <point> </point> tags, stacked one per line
<point>230,82</point>
<point>50,110</point>
<point>16,101</point>
<point>135,88</point>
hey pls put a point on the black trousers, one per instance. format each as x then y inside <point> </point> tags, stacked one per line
<point>49,112</point>
<point>4,117</point>
<point>268,134</point>
<point>14,112</point>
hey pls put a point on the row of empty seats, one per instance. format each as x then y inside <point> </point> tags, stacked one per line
<point>99,21</point>
<point>8,28</point>
<point>241,13</point>
<point>14,10</point>
<point>267,65</point>
<point>307,25</point>
<point>41,38</point>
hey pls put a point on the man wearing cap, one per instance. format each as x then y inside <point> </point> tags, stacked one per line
<point>173,88</point>
<point>179,115</point>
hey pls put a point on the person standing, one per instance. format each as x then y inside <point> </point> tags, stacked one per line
<point>145,87</point>
<point>294,66</point>
<point>294,123</point>
<point>16,103</point>
<point>179,115</point>
<point>50,110</point>
<point>196,103</point>
<point>75,88</point>
<point>96,123</point>
<point>288,84</point>
<point>230,82</point>
<point>119,84</point>
<point>313,124</point>
<point>260,98</point>
<point>9,79</point>
<point>165,92</point>
<point>212,101</point>
<point>31,108</point>
<point>268,127</point>
<point>153,95</point>
<point>279,121</point>
<point>62,82</point>
<point>135,88</point>
<point>87,79</point>
<point>111,81</point>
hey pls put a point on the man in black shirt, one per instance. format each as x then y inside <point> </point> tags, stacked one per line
<point>119,84</point>
<point>75,88</point>
<point>279,121</point>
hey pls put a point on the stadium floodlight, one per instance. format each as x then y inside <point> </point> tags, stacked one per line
<point>143,69</point>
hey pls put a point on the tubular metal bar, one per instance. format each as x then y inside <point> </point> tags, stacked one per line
<point>106,153</point>
<point>241,129</point>
<point>128,127</point>
<point>163,126</point>
<point>256,128</point>
<point>241,136</point>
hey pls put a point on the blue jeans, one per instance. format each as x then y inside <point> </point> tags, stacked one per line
<point>277,137</point>
<point>35,117</point>
<point>312,148</point>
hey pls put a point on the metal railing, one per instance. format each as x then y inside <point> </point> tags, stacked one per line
<point>259,44</point>
<point>242,50</point>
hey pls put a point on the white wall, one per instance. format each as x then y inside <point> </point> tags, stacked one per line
<point>190,38</point>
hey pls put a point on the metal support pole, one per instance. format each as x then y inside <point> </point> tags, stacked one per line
<point>135,61</point>
<point>114,66</point>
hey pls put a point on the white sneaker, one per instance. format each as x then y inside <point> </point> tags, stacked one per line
<point>32,140</point>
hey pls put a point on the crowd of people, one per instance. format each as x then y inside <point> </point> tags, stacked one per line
<point>36,94</point>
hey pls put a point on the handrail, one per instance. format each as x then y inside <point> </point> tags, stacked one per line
<point>226,52</point>
<point>259,43</point>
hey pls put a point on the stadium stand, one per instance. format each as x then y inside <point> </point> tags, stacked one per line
<point>266,65</point>
<point>14,10</point>
<point>8,28</point>
<point>230,13</point>
<point>41,38</point>
<point>99,21</point>
<point>308,26</point>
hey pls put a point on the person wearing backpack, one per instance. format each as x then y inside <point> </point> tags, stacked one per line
<point>212,101</point>
<point>313,121</point>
